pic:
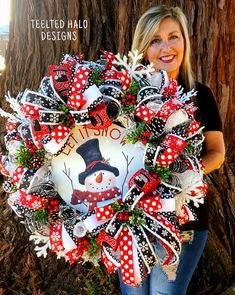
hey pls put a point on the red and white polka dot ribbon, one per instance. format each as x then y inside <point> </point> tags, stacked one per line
<point>76,99</point>
<point>150,204</point>
<point>125,79</point>
<point>105,212</point>
<point>172,147</point>
<point>193,128</point>
<point>59,133</point>
<point>109,59</point>
<point>126,257</point>
<point>10,126</point>
<point>144,113</point>
<point>30,110</point>
<point>17,175</point>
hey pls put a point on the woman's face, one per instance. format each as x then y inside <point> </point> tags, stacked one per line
<point>166,50</point>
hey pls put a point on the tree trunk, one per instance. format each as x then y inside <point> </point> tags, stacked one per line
<point>110,26</point>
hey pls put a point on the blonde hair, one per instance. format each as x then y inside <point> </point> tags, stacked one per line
<point>147,27</point>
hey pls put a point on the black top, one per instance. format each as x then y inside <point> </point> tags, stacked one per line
<point>210,118</point>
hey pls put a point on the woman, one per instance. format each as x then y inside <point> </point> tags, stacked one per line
<point>162,36</point>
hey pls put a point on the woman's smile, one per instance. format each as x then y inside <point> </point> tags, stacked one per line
<point>167,58</point>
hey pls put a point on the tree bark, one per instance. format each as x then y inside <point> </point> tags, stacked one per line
<point>111,26</point>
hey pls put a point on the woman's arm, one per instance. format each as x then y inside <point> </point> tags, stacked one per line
<point>214,152</point>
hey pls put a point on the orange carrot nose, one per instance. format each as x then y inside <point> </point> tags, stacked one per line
<point>99,177</point>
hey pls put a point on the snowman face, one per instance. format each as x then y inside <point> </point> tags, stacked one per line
<point>99,181</point>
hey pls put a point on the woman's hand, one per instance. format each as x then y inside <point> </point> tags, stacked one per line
<point>214,152</point>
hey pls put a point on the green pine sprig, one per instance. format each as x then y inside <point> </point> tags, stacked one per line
<point>41,215</point>
<point>116,206</point>
<point>120,68</point>
<point>64,118</point>
<point>134,88</point>
<point>163,172</point>
<point>135,215</point>
<point>23,156</point>
<point>128,109</point>
<point>13,189</point>
<point>136,133</point>
<point>93,247</point>
<point>96,76</point>
<point>189,149</point>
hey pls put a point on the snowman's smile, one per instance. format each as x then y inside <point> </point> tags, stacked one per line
<point>99,188</point>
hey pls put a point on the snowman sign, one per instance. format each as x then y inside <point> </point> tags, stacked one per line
<point>97,166</point>
<point>99,177</point>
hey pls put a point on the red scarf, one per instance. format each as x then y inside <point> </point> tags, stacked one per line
<point>93,198</point>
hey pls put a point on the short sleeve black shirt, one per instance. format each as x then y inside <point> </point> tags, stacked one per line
<point>208,115</point>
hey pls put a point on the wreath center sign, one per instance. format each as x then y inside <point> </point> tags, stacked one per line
<point>94,168</point>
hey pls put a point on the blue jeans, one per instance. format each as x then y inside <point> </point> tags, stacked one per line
<point>157,282</point>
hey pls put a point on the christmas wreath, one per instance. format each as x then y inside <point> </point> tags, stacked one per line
<point>103,158</point>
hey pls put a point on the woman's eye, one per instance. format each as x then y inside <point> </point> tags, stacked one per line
<point>173,37</point>
<point>156,41</point>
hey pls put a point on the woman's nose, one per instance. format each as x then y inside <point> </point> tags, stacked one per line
<point>165,45</point>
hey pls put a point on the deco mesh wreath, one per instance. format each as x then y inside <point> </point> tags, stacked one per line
<point>103,156</point>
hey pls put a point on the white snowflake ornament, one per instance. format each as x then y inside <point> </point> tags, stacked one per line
<point>43,243</point>
<point>135,69</point>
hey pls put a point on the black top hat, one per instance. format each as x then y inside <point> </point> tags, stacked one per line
<point>92,156</point>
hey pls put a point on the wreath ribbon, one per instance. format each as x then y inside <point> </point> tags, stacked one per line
<point>43,110</point>
<point>118,234</point>
<point>56,243</point>
<point>31,201</point>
